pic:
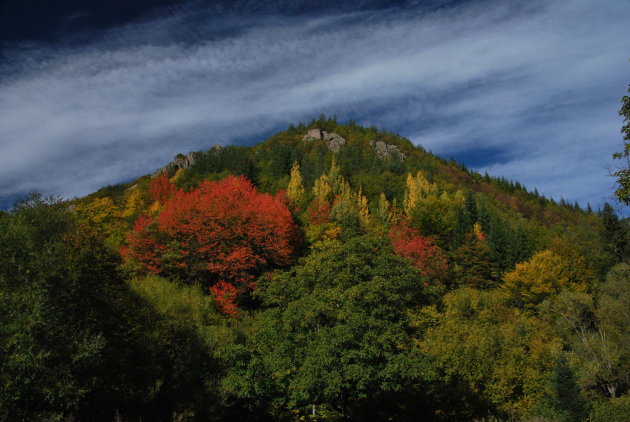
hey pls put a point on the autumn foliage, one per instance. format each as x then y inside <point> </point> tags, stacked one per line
<point>419,250</point>
<point>318,212</point>
<point>161,189</point>
<point>222,233</point>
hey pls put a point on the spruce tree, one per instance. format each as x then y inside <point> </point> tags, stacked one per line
<point>565,392</point>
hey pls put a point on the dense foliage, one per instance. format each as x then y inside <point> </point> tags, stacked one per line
<point>292,281</point>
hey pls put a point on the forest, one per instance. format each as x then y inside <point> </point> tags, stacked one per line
<point>330,273</point>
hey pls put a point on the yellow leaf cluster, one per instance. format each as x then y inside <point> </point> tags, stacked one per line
<point>384,208</point>
<point>418,187</point>
<point>322,189</point>
<point>134,203</point>
<point>362,206</point>
<point>178,175</point>
<point>101,211</point>
<point>295,190</point>
<point>545,274</point>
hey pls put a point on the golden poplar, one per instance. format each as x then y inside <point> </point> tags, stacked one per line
<point>321,188</point>
<point>295,190</point>
<point>362,206</point>
<point>418,188</point>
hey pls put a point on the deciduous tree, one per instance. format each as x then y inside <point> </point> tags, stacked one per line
<point>223,231</point>
<point>420,251</point>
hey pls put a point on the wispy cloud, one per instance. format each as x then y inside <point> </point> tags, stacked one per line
<point>538,85</point>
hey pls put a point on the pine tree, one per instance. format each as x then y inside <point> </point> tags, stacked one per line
<point>471,208</point>
<point>472,261</point>
<point>565,392</point>
<point>615,233</point>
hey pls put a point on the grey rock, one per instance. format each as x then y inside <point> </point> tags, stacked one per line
<point>384,150</point>
<point>313,135</point>
<point>179,162</point>
<point>334,141</point>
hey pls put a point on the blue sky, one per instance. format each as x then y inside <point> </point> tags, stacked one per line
<point>525,90</point>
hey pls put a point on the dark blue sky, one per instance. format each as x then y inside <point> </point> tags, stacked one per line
<point>95,93</point>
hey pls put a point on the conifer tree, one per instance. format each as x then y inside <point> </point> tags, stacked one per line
<point>615,233</point>
<point>565,392</point>
<point>472,261</point>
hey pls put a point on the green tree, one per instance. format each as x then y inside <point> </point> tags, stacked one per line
<point>335,336</point>
<point>60,313</point>
<point>598,331</point>
<point>490,358</point>
<point>472,262</point>
<point>615,234</point>
<point>623,175</point>
<point>565,395</point>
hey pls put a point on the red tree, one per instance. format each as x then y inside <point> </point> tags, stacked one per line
<point>318,212</point>
<point>421,251</point>
<point>161,189</point>
<point>223,233</point>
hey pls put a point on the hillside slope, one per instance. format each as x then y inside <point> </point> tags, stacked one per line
<point>331,272</point>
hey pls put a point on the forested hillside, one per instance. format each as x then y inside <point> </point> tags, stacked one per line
<point>332,272</point>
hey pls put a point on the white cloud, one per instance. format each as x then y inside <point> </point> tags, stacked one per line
<point>541,83</point>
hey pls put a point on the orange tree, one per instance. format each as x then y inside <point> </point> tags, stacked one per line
<point>222,234</point>
<point>421,251</point>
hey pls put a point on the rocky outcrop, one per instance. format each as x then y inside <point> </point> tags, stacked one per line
<point>180,161</point>
<point>384,150</point>
<point>313,135</point>
<point>332,140</point>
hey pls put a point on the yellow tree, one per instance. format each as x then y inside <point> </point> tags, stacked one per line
<point>418,188</point>
<point>295,190</point>
<point>134,203</point>
<point>334,178</point>
<point>321,188</point>
<point>330,184</point>
<point>544,275</point>
<point>103,215</point>
<point>384,209</point>
<point>362,206</point>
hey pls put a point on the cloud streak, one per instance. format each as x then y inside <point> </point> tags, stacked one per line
<point>539,85</point>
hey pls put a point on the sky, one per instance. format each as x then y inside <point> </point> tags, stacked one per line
<point>99,94</point>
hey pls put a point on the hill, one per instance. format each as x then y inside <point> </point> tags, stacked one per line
<point>331,272</point>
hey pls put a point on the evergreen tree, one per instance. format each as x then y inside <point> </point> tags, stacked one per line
<point>565,392</point>
<point>615,233</point>
<point>472,262</point>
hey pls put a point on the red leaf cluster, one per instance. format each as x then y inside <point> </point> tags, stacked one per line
<point>161,189</point>
<point>222,233</point>
<point>421,251</point>
<point>225,297</point>
<point>318,212</point>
